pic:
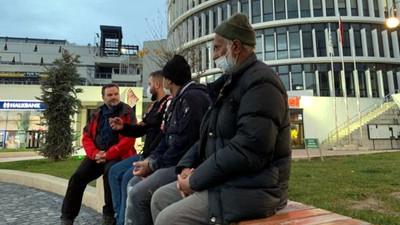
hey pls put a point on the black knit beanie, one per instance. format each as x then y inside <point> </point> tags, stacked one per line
<point>177,70</point>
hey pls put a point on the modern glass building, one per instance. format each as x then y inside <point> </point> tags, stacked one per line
<point>293,37</point>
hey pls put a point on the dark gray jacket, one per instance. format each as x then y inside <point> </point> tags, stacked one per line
<point>243,155</point>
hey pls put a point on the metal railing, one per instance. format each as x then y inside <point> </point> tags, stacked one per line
<point>339,133</point>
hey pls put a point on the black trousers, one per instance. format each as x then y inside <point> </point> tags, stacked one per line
<point>88,171</point>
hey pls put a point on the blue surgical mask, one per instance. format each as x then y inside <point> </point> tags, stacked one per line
<point>223,64</point>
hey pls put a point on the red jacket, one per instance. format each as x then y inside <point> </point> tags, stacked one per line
<point>125,147</point>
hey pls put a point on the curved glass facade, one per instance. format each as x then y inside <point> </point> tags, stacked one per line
<point>293,37</point>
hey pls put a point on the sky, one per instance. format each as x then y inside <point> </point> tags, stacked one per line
<point>78,21</point>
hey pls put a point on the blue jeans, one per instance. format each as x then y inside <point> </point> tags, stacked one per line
<point>118,177</point>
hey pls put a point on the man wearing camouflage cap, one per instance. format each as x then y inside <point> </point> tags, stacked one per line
<point>239,169</point>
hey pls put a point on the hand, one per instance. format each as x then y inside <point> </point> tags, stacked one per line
<point>100,157</point>
<point>116,123</point>
<point>142,169</point>
<point>183,183</point>
<point>141,123</point>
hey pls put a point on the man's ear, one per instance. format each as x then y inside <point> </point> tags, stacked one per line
<point>236,46</point>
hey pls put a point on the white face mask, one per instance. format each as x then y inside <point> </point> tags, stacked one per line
<point>223,63</point>
<point>148,93</point>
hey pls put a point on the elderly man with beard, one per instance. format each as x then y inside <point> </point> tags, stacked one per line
<point>104,147</point>
<point>122,172</point>
<point>239,169</point>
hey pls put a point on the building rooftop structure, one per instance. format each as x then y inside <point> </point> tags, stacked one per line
<point>23,60</point>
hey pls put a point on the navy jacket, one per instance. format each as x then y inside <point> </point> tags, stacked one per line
<point>181,125</point>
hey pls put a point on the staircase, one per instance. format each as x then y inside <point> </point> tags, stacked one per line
<point>338,138</point>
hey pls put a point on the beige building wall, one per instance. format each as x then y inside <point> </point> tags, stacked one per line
<point>90,99</point>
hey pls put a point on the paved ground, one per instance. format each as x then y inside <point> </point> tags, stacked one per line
<point>24,205</point>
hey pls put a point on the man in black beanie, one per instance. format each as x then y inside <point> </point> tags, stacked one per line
<point>239,169</point>
<point>181,127</point>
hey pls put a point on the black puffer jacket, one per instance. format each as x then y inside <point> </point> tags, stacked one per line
<point>243,155</point>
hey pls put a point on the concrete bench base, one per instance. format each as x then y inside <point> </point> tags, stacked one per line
<point>93,197</point>
<point>300,214</point>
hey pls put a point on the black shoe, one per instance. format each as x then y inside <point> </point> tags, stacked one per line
<point>108,220</point>
<point>66,222</point>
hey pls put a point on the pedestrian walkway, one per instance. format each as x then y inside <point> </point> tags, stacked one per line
<point>22,205</point>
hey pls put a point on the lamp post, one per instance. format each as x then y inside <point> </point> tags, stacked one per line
<point>393,21</point>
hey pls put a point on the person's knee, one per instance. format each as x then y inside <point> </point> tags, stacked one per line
<point>155,201</point>
<point>164,218</point>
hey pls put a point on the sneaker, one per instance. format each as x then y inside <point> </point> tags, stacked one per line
<point>108,220</point>
<point>66,222</point>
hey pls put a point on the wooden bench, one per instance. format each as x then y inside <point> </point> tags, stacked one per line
<point>300,214</point>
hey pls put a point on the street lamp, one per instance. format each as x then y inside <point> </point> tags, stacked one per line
<point>392,21</point>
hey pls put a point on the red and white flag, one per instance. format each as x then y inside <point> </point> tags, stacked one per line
<point>341,31</point>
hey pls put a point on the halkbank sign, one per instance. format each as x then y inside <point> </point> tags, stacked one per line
<point>21,105</point>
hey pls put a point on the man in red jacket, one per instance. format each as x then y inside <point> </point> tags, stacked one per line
<point>104,147</point>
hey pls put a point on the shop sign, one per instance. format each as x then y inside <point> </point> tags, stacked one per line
<point>294,101</point>
<point>21,105</point>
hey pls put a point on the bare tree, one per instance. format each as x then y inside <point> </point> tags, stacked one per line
<point>173,45</point>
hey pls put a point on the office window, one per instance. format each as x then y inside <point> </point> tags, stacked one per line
<point>292,9</point>
<point>323,79</point>
<point>346,38</point>
<point>215,17</point>
<point>330,9</point>
<point>256,11</point>
<point>365,7</point>
<point>305,8</point>
<point>282,47</point>
<point>390,44</point>
<point>294,40</point>
<point>199,22</point>
<point>307,41</point>
<point>357,39</point>
<point>297,77</point>
<point>337,67</point>
<point>207,21</point>
<point>224,11</point>
<point>269,42</point>
<point>280,10</point>
<point>374,83</point>
<point>259,48</point>
<point>245,7</point>
<point>354,7</point>
<point>342,7</point>
<point>309,73</point>
<point>376,8</point>
<point>349,79</point>
<point>368,35</point>
<point>283,72</point>
<point>361,80</point>
<point>317,4</point>
<point>234,6</point>
<point>268,10</point>
<point>320,37</point>
<point>380,41</point>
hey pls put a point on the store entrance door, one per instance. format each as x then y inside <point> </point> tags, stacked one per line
<point>296,128</point>
<point>32,139</point>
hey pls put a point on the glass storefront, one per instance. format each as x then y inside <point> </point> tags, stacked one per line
<point>296,128</point>
<point>20,128</point>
